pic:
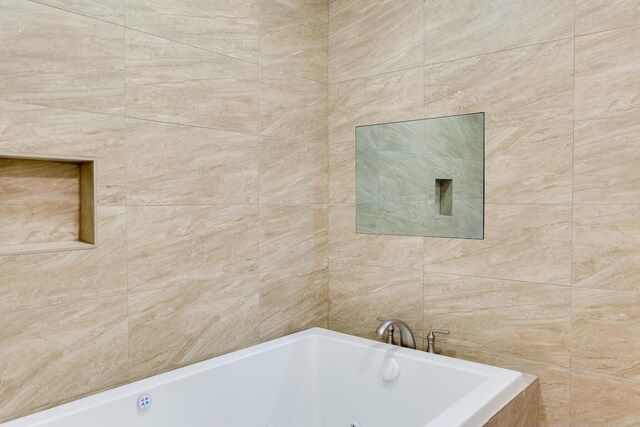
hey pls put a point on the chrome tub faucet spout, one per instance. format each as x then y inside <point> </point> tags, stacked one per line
<point>389,326</point>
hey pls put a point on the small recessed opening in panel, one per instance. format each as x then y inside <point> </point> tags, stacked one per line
<point>444,197</point>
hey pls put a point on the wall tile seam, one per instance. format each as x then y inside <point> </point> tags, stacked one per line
<point>611,291</point>
<point>122,116</point>
<point>506,356</point>
<point>258,236</point>
<point>305,13</point>
<point>331,82</point>
<point>502,279</point>
<point>247,274</point>
<point>331,142</point>
<point>127,191</point>
<point>311,140</point>
<point>624,27</point>
<point>274,203</point>
<point>560,285</point>
<point>606,377</point>
<point>119,293</point>
<point>573,162</point>
<point>328,188</point>
<point>561,205</point>
<point>493,52</point>
<point>418,271</point>
<point>601,117</point>
<point>510,357</point>
<point>490,125</point>
<point>290,203</point>
<point>234,132</point>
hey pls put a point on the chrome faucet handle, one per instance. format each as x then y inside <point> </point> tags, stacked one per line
<point>431,338</point>
<point>438,331</point>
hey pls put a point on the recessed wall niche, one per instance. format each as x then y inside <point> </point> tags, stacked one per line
<point>47,203</point>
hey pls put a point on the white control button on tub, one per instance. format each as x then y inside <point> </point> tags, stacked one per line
<point>390,369</point>
<point>144,402</point>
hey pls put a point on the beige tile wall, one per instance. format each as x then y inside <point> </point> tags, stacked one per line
<point>209,122</point>
<point>554,289</point>
<point>221,202</point>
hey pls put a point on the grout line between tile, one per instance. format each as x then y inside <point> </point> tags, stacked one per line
<point>305,13</point>
<point>452,60</point>
<point>571,259</point>
<point>260,148</point>
<point>118,293</point>
<point>126,180</point>
<point>624,27</point>
<point>328,281</point>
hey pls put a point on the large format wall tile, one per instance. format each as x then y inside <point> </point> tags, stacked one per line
<point>106,10</point>
<point>54,58</point>
<point>598,401</point>
<point>171,82</point>
<point>291,107</point>
<point>605,327</point>
<point>293,42</point>
<point>345,246</point>
<point>379,99</point>
<point>607,80</point>
<point>555,382</point>
<point>606,247</point>
<point>315,8</point>
<point>598,15</point>
<point>292,300</point>
<point>176,326</point>
<point>356,293</point>
<point>607,154</point>
<point>292,235</point>
<point>42,130</point>
<point>293,171</point>
<point>522,242</point>
<point>529,163</point>
<point>175,164</point>
<point>45,358</point>
<point>229,27</point>
<point>181,245</point>
<point>527,84</point>
<point>373,37</point>
<point>465,28</point>
<point>342,172</point>
<point>33,280</point>
<point>520,319</point>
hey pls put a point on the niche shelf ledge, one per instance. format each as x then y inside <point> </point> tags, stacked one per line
<point>47,203</point>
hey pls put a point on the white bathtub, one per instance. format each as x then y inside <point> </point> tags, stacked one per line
<point>309,379</point>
